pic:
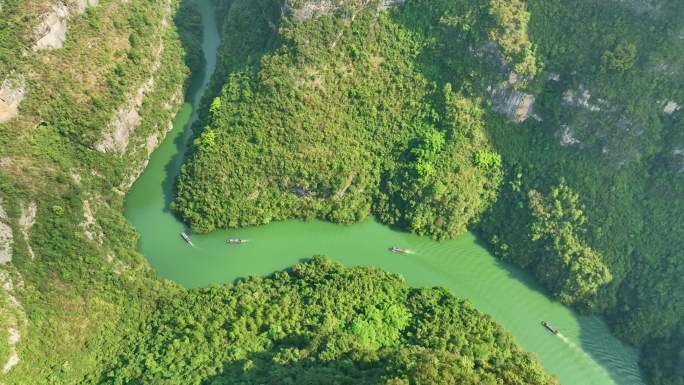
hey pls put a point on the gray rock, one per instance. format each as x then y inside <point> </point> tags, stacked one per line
<point>6,237</point>
<point>313,9</point>
<point>568,137</point>
<point>51,32</point>
<point>513,103</point>
<point>581,98</point>
<point>12,92</point>
<point>83,5</point>
<point>670,107</point>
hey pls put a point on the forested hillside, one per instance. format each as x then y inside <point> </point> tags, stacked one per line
<point>551,128</point>
<point>321,323</point>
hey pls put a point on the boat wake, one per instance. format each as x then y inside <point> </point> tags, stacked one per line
<point>579,351</point>
<point>568,342</point>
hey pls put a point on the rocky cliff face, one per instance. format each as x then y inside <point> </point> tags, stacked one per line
<point>51,102</point>
<point>51,32</point>
<point>515,104</point>
<point>6,237</point>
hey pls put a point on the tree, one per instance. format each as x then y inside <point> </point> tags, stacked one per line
<point>572,269</point>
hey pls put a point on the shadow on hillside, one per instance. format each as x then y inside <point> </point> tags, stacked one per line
<point>261,368</point>
<point>211,72</point>
<point>514,143</point>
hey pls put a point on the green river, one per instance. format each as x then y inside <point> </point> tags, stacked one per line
<point>584,354</point>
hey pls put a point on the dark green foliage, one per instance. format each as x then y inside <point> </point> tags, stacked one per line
<point>321,323</point>
<point>663,358</point>
<point>335,127</point>
<point>566,264</point>
<point>189,25</point>
<point>342,117</point>
<point>629,181</point>
<point>621,58</point>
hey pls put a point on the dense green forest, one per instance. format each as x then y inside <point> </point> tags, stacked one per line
<point>321,323</point>
<point>553,129</point>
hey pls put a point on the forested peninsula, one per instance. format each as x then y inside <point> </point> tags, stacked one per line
<point>554,130</point>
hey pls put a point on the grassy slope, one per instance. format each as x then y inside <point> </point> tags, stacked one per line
<point>80,296</point>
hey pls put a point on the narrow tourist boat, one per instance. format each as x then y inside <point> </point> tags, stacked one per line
<point>550,327</point>
<point>399,250</point>
<point>235,241</point>
<point>186,237</point>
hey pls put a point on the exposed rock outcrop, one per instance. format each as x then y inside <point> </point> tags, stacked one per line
<point>6,237</point>
<point>83,5</point>
<point>91,229</point>
<point>568,137</point>
<point>27,220</point>
<point>51,32</point>
<point>581,98</point>
<point>670,107</point>
<point>553,76</point>
<point>126,121</point>
<point>151,143</point>
<point>313,9</point>
<point>15,318</point>
<point>513,103</point>
<point>386,4</point>
<point>12,92</point>
<point>310,9</point>
<point>127,118</point>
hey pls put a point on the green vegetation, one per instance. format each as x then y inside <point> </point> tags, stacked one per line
<point>362,113</point>
<point>625,169</point>
<point>340,117</point>
<point>81,294</point>
<point>321,323</point>
<point>330,126</point>
<point>557,222</point>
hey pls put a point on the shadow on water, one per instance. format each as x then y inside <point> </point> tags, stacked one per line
<point>200,36</point>
<point>207,78</point>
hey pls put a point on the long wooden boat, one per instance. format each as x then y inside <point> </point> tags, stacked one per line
<point>550,327</point>
<point>186,237</point>
<point>399,250</point>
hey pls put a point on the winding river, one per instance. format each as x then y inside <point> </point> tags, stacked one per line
<point>584,354</point>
